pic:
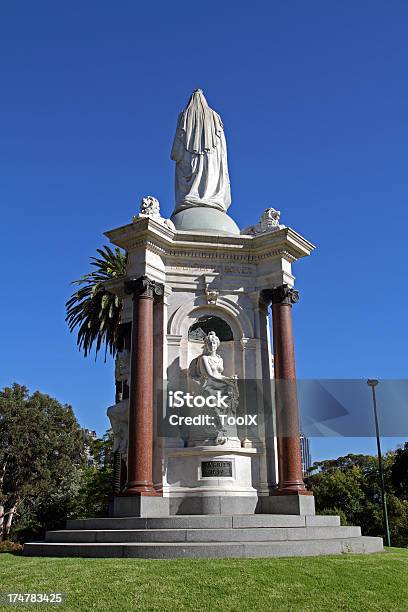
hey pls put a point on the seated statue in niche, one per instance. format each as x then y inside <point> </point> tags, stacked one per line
<point>118,414</point>
<point>208,371</point>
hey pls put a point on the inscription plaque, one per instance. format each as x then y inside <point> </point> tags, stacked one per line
<point>218,469</point>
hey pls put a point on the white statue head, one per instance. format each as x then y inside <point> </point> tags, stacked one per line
<point>150,206</point>
<point>212,342</point>
<point>270,218</point>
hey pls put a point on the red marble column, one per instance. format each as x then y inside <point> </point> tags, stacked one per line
<point>287,417</point>
<point>141,397</point>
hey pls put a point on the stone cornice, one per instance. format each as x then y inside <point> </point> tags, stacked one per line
<point>287,239</point>
<point>148,234</point>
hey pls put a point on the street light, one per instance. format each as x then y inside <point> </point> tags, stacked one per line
<point>372,382</point>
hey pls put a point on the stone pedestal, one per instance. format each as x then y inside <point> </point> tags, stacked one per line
<point>210,279</point>
<point>210,480</point>
<point>244,497</point>
<point>140,505</point>
<point>287,504</point>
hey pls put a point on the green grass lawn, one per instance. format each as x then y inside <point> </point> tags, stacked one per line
<point>349,582</point>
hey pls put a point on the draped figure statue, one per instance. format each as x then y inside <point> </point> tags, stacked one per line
<point>200,152</point>
<point>208,371</point>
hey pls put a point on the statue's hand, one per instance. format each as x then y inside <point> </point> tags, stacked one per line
<point>230,378</point>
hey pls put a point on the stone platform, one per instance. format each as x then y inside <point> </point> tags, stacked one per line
<point>203,536</point>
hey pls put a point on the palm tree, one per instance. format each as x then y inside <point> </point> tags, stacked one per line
<point>94,310</point>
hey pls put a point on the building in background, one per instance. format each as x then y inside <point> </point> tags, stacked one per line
<point>306,454</point>
<point>89,436</point>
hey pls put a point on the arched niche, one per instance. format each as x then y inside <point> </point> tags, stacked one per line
<point>218,323</point>
<point>181,350</point>
<point>206,323</point>
<point>200,329</point>
<point>207,318</point>
<point>189,312</point>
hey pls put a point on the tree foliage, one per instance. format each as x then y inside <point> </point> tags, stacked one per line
<point>351,485</point>
<point>50,470</point>
<point>94,310</point>
<point>95,481</point>
<point>41,447</point>
<point>399,472</point>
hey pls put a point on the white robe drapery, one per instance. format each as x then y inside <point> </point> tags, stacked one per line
<point>200,152</point>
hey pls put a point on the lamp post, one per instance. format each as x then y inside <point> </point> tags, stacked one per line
<point>372,382</point>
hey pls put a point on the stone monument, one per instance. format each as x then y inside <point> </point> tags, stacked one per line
<point>195,325</point>
<point>199,290</point>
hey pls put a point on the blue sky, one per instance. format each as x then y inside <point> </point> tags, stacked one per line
<point>314,100</point>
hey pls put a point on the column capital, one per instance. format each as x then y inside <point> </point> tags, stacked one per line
<point>143,287</point>
<point>281,295</point>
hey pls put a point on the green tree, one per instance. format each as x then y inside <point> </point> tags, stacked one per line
<point>41,448</point>
<point>351,484</point>
<point>94,310</point>
<point>95,481</point>
<point>399,472</point>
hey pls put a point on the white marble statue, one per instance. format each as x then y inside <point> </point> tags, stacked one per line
<point>118,414</point>
<point>150,208</point>
<point>200,152</point>
<point>269,222</point>
<point>209,373</point>
<point>122,365</point>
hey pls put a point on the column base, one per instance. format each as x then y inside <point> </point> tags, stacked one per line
<point>281,503</point>
<point>140,505</point>
<point>137,492</point>
<point>290,491</point>
<point>145,489</point>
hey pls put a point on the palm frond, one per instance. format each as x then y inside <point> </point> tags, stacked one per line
<point>93,310</point>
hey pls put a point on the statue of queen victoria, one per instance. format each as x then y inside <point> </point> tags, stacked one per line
<point>200,152</point>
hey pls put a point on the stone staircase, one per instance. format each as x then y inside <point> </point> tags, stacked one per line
<point>204,536</point>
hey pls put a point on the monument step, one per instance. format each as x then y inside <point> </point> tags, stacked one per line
<point>207,550</point>
<point>254,534</point>
<point>197,521</point>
